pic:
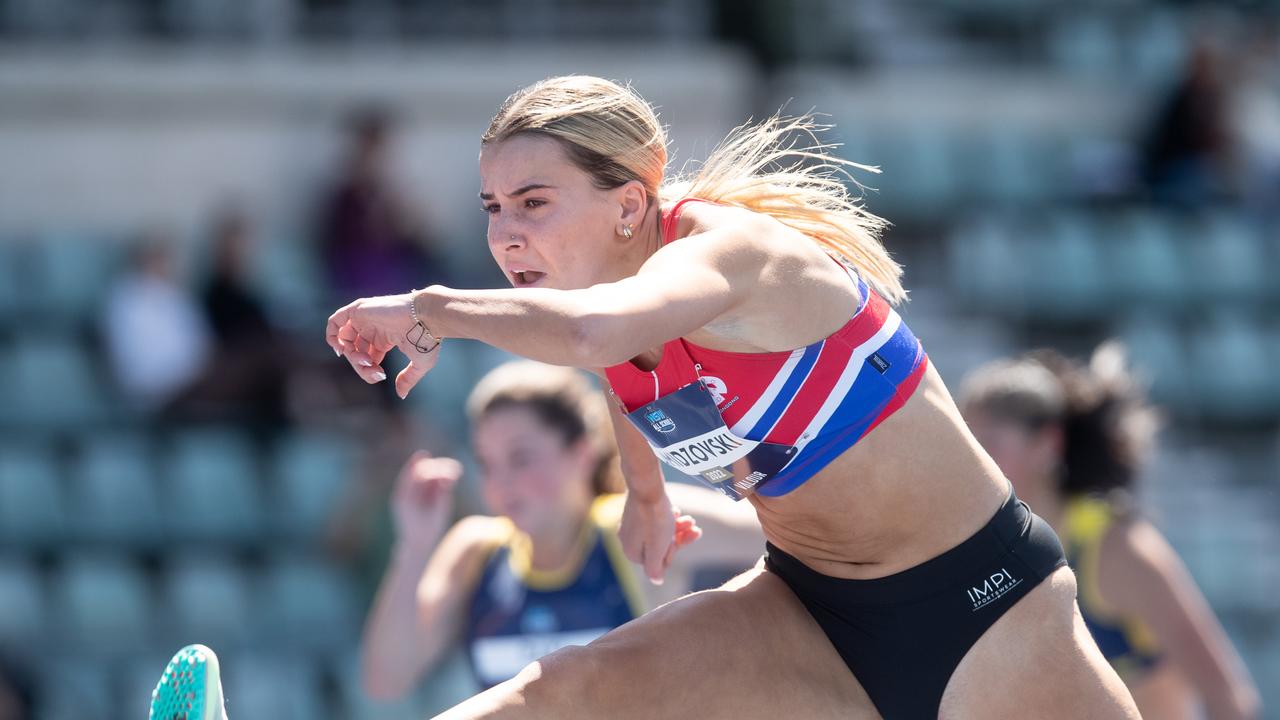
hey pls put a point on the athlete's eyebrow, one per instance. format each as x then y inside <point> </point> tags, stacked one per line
<point>520,191</point>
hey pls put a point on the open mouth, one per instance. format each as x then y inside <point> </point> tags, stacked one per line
<point>524,278</point>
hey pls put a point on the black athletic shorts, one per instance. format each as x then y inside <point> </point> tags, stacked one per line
<point>903,635</point>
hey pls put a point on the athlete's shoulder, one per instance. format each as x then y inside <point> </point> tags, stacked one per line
<point>1137,568</point>
<point>460,557</point>
<point>1085,515</point>
<point>1135,543</point>
<point>606,510</point>
<point>476,535</point>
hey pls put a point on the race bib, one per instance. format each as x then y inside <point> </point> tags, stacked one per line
<point>686,431</point>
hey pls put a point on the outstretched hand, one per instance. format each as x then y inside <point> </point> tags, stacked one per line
<point>365,330</point>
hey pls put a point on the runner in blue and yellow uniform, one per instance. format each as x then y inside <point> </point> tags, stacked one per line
<point>547,569</point>
<point>1128,643</point>
<point>1072,439</point>
<point>518,613</point>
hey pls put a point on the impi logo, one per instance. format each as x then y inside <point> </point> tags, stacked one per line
<point>992,588</point>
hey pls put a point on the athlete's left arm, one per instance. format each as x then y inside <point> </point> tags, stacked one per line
<point>1140,574</point>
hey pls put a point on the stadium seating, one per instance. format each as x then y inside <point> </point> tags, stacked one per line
<point>115,497</point>
<point>212,488</point>
<point>22,595</point>
<point>33,504</point>
<point>106,603</point>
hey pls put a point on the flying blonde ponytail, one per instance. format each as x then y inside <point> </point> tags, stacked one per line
<point>781,168</point>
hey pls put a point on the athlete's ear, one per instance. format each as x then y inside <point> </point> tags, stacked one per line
<point>633,201</point>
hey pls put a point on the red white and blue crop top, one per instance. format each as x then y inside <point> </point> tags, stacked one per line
<point>816,401</point>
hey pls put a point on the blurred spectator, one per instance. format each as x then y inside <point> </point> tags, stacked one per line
<point>17,693</point>
<point>155,335</point>
<point>246,380</point>
<point>371,244</point>
<point>235,313</point>
<point>1255,114</point>
<point>766,29</point>
<point>1188,154</point>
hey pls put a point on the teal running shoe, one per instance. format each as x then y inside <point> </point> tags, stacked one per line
<point>190,688</point>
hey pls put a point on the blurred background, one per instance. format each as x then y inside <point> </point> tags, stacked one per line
<point>189,187</point>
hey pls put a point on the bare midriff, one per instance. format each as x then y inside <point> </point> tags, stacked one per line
<point>911,489</point>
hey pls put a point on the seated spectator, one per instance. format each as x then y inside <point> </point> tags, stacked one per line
<point>246,381</point>
<point>1188,152</point>
<point>156,337</point>
<point>17,692</point>
<point>1255,115</point>
<point>370,243</point>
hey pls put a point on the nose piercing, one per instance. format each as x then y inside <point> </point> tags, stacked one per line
<point>513,238</point>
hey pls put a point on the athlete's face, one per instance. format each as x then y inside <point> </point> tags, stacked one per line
<point>549,226</point>
<point>530,474</point>
<point>1028,457</point>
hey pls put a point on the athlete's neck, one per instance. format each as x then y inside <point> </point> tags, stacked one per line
<point>558,544</point>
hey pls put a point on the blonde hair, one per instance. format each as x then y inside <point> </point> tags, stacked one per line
<point>562,398</point>
<point>608,130</point>
<point>778,167</point>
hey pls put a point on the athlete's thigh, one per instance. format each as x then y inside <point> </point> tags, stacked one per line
<point>746,650</point>
<point>1038,660</point>
<point>749,649</point>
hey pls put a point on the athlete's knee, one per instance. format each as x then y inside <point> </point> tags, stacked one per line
<point>1065,578</point>
<point>1059,588</point>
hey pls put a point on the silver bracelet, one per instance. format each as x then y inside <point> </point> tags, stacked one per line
<point>419,336</point>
